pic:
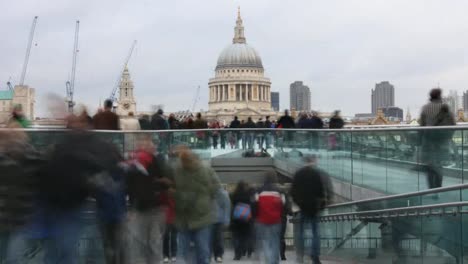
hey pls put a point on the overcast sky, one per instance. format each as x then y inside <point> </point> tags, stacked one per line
<point>339,48</point>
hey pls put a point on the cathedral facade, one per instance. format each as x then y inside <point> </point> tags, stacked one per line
<point>240,87</point>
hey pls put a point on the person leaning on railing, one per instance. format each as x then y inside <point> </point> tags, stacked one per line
<point>435,143</point>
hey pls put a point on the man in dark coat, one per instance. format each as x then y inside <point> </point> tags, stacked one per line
<point>336,122</point>
<point>158,122</point>
<point>235,124</point>
<point>145,123</point>
<point>106,120</point>
<point>311,190</point>
<point>286,121</point>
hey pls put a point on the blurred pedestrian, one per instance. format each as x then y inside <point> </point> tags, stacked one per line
<point>250,133</point>
<point>268,134</point>
<point>242,220</point>
<point>287,210</point>
<point>106,120</point>
<point>173,122</point>
<point>311,190</point>
<point>235,124</point>
<point>158,121</point>
<point>222,206</point>
<point>73,170</point>
<point>196,186</point>
<point>200,123</point>
<point>19,164</point>
<point>148,184</point>
<point>223,134</point>
<point>315,123</point>
<point>170,231</point>
<point>269,208</point>
<point>215,133</point>
<point>336,122</point>
<point>436,143</point>
<point>202,136</point>
<point>17,117</point>
<point>145,123</point>
<point>260,134</point>
<point>130,123</point>
<point>81,120</point>
<point>286,121</point>
<point>304,121</point>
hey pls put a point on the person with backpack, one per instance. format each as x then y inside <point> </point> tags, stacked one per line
<point>436,143</point>
<point>269,207</point>
<point>241,220</point>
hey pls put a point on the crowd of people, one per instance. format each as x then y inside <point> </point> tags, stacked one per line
<point>148,207</point>
<point>158,208</point>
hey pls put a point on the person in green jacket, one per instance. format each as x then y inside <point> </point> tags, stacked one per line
<point>18,119</point>
<point>196,186</point>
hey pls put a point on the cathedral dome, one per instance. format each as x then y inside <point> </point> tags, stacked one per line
<point>239,55</point>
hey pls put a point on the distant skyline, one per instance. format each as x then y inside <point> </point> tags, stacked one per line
<point>339,48</point>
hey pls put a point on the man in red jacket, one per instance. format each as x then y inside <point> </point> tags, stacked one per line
<point>269,206</point>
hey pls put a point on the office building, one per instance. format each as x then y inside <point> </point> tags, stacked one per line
<point>275,101</point>
<point>382,96</point>
<point>299,95</point>
<point>452,100</point>
<point>465,101</point>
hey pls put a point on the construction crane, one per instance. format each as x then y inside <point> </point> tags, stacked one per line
<point>28,51</point>
<point>195,100</point>
<point>10,86</point>
<point>113,97</point>
<point>70,85</point>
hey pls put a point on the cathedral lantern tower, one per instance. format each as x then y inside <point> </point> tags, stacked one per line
<point>127,102</point>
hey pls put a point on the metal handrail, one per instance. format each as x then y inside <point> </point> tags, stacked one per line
<point>348,130</point>
<point>403,195</point>
<point>421,210</point>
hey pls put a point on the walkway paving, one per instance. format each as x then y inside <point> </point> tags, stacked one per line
<point>290,259</point>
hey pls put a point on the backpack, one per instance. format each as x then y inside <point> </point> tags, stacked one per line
<point>242,212</point>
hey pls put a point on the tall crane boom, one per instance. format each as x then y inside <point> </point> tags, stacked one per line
<point>70,85</point>
<point>112,97</point>
<point>28,50</point>
<point>195,100</point>
<point>9,84</point>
